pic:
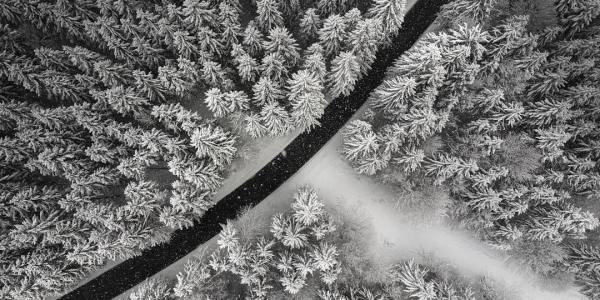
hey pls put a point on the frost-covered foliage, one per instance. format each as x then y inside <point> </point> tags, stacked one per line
<point>505,118</point>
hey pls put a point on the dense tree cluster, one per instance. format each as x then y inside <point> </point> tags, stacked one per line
<point>506,118</point>
<point>93,99</point>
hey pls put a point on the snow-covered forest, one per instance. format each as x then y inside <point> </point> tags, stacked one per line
<point>123,122</point>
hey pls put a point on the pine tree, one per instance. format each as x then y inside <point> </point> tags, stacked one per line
<point>365,40</point>
<point>413,276</point>
<point>290,8</point>
<point>315,63</point>
<point>552,141</point>
<point>466,11</point>
<point>345,71</point>
<point>577,15</point>
<point>394,93</point>
<point>445,167</point>
<point>303,82</point>
<point>231,28</point>
<point>333,34</point>
<point>123,100</point>
<point>359,141</point>
<point>307,207</point>
<point>150,86</point>
<point>215,143</point>
<point>328,7</point>
<point>411,159</point>
<point>275,118</point>
<point>216,103</point>
<point>266,91</point>
<point>213,75</point>
<point>273,67</point>
<point>390,13</point>
<point>186,45</point>
<point>268,15</point>
<point>208,41</point>
<point>253,39</point>
<point>281,42</point>
<point>310,24</point>
<point>178,79</point>
<point>248,68</point>
<point>201,174</point>
<point>151,289</point>
<point>236,101</point>
<point>252,125</point>
<point>307,109</point>
<point>198,13</point>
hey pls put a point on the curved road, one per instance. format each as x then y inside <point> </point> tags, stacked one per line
<point>132,271</point>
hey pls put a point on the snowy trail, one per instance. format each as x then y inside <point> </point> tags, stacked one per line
<point>337,184</point>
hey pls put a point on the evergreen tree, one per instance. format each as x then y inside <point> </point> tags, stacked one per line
<point>275,118</point>
<point>364,41</point>
<point>360,140</point>
<point>266,91</point>
<point>466,11</point>
<point>303,82</point>
<point>289,8</point>
<point>230,25</point>
<point>151,289</point>
<point>252,125</point>
<point>268,15</point>
<point>208,41</point>
<point>281,42</point>
<point>122,100</point>
<point>247,68</point>
<point>253,39</point>
<point>345,71</point>
<point>198,14</point>
<point>315,63</point>
<point>216,103</point>
<point>333,34</point>
<point>273,67</point>
<point>390,13</point>
<point>215,143</point>
<point>307,109</point>
<point>213,75</point>
<point>310,24</point>
<point>328,7</point>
